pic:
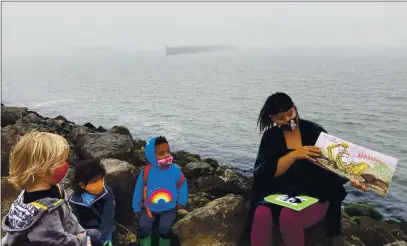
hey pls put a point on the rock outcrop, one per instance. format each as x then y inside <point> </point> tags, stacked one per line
<point>221,222</point>
<point>121,176</point>
<point>9,115</point>
<point>114,143</point>
<point>218,195</point>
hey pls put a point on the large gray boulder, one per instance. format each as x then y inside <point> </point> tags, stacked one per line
<point>116,143</point>
<point>226,180</point>
<point>197,169</point>
<point>121,176</point>
<point>9,115</point>
<point>221,222</point>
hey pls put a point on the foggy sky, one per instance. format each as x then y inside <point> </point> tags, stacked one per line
<point>137,26</point>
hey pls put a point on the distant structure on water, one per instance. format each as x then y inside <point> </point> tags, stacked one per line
<point>178,50</point>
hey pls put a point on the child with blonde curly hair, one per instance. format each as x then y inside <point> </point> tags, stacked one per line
<point>41,214</point>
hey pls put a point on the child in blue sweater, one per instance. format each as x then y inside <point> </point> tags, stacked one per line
<point>160,190</point>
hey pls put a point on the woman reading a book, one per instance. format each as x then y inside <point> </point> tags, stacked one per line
<point>284,166</point>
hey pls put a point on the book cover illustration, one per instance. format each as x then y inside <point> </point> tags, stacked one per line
<point>296,203</point>
<point>349,160</point>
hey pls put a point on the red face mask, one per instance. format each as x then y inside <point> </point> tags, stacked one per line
<point>60,172</point>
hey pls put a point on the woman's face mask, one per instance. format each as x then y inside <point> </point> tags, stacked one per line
<point>287,121</point>
<point>290,125</point>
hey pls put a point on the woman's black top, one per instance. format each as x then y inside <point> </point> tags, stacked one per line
<point>302,178</point>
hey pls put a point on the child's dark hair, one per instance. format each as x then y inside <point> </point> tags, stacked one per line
<point>85,171</point>
<point>160,140</point>
<point>276,103</point>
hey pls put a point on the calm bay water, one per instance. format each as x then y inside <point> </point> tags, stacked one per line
<point>209,103</point>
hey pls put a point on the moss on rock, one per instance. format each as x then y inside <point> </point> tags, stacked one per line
<point>362,209</point>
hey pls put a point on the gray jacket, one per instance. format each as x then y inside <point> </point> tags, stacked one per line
<point>46,222</point>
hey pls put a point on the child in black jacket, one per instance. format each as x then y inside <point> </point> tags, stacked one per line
<point>93,200</point>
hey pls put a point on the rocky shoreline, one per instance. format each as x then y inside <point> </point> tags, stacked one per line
<point>218,194</point>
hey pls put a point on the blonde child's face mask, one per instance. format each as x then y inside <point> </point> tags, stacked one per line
<point>95,188</point>
<point>60,172</point>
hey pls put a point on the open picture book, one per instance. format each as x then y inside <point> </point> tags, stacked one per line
<point>349,160</point>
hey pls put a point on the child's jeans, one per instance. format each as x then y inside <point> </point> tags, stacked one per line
<point>167,220</point>
<point>109,236</point>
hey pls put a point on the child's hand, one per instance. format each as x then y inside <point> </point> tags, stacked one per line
<point>82,234</point>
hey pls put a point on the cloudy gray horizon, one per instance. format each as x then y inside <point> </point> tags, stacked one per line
<point>59,26</point>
